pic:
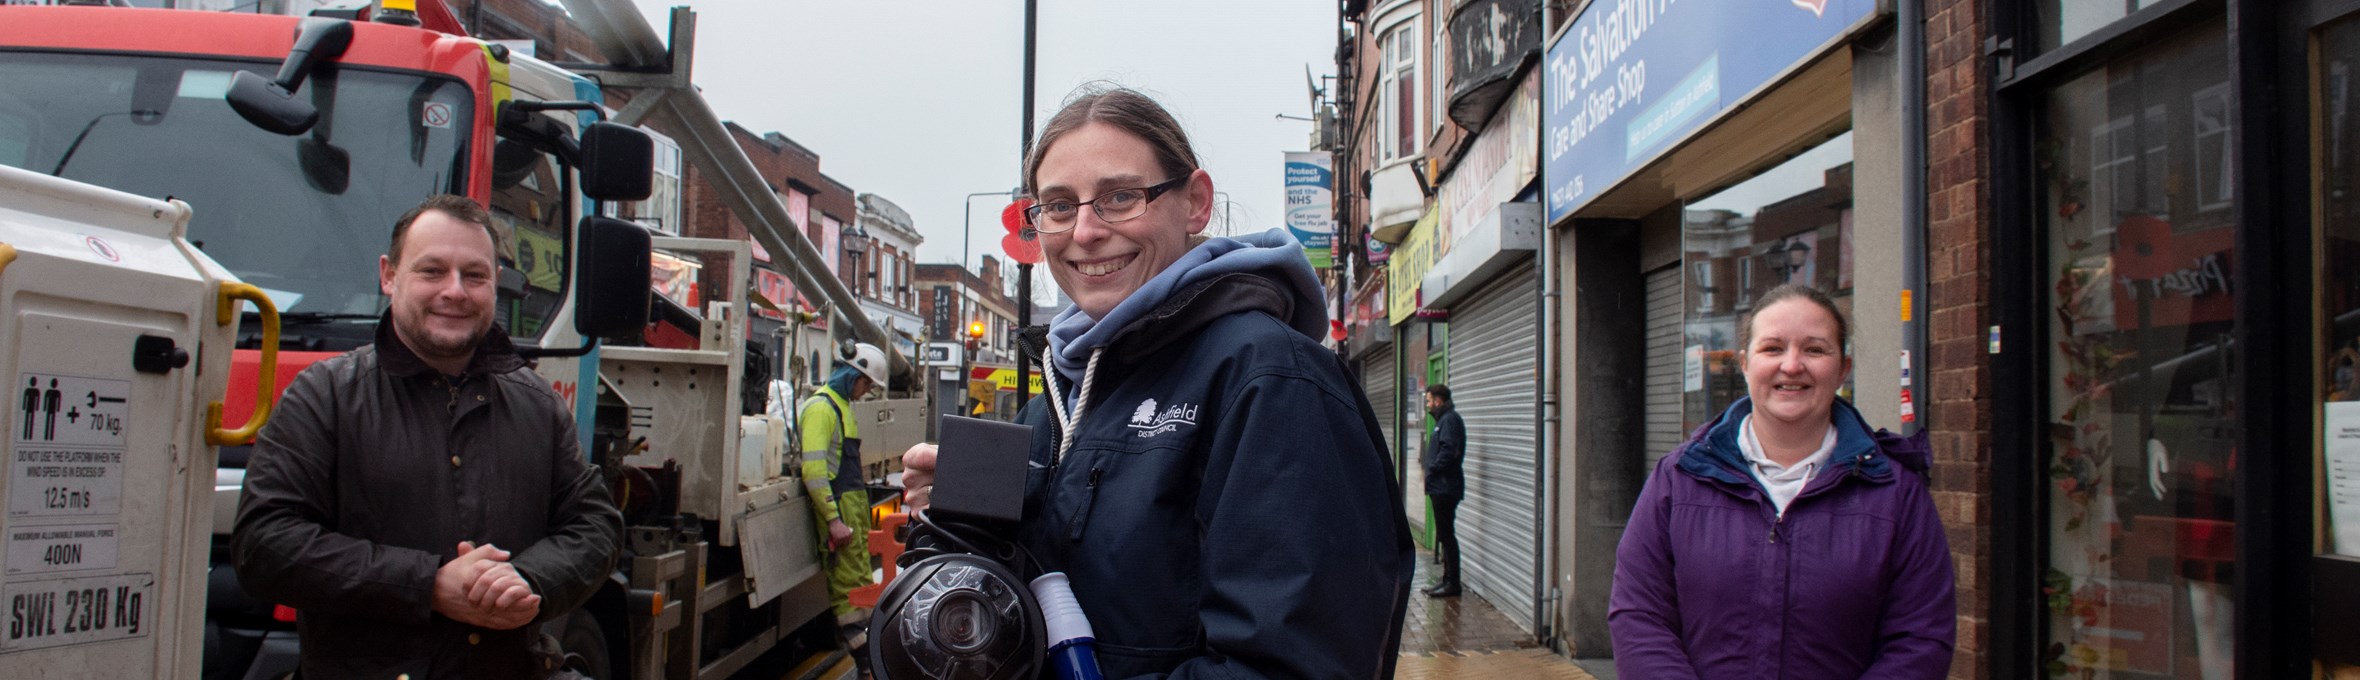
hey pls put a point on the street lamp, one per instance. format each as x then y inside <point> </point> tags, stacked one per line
<point>1783,260</point>
<point>967,216</point>
<point>1228,224</point>
<point>855,242</point>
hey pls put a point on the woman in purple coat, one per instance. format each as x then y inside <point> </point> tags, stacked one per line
<point>1783,540</point>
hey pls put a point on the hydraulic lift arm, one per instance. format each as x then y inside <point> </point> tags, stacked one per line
<point>657,81</point>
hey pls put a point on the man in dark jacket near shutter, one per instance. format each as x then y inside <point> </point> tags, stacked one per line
<point>421,502</point>
<point>1445,450</point>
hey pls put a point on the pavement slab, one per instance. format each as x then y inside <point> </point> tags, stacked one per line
<point>1466,637</point>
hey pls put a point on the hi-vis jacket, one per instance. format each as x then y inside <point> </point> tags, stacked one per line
<point>831,451</point>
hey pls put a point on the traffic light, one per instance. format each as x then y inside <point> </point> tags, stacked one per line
<point>974,336</point>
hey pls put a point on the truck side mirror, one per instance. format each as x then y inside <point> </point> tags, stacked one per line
<point>616,163</point>
<point>611,274</point>
<point>271,104</point>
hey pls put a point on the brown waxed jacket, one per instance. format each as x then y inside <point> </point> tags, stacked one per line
<point>372,471</point>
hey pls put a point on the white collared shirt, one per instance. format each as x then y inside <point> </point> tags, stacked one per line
<point>1783,482</point>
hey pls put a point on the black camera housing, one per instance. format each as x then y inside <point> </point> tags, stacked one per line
<point>960,608</point>
<point>979,472</point>
<point>957,616</point>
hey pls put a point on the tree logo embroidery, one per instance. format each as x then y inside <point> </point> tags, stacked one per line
<point>1153,420</point>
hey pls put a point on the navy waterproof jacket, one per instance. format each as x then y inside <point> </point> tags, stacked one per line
<point>1446,453</point>
<point>1853,582</point>
<point>1226,509</point>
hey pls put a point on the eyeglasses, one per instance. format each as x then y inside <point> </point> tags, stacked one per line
<point>1114,206</point>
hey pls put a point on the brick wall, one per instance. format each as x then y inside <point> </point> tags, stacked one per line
<point>997,310</point>
<point>779,160</point>
<point>1958,257</point>
<point>988,288</point>
<point>705,215</point>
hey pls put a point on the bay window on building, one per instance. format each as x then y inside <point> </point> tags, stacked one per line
<point>1438,40</point>
<point>1397,92</point>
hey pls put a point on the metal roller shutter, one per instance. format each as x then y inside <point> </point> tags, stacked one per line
<point>1665,363</point>
<point>1377,379</point>
<point>1376,374</point>
<point>1495,381</point>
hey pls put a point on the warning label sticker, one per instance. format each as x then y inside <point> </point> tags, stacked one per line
<point>65,410</point>
<point>61,483</point>
<point>53,549</point>
<point>435,114</point>
<point>70,611</point>
<point>68,458</point>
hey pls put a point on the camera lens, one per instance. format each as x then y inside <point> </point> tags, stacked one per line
<point>963,622</point>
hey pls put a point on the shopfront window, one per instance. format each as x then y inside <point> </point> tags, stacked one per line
<point>2064,21</point>
<point>1792,224</point>
<point>2133,178</point>
<point>2337,118</point>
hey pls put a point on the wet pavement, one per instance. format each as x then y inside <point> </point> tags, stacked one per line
<point>1465,637</point>
<point>1442,639</point>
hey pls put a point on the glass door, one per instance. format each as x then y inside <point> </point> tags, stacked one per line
<point>2335,356</point>
<point>2136,205</point>
<point>1436,371</point>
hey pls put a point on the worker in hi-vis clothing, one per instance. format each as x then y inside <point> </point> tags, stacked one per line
<point>839,498</point>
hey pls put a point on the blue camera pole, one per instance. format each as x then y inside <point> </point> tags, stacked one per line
<point>1073,647</point>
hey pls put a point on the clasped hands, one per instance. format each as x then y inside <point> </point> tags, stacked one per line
<point>480,588</point>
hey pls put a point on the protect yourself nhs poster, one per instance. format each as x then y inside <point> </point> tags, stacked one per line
<point>1311,214</point>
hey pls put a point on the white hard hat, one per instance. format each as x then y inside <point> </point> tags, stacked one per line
<point>869,360</point>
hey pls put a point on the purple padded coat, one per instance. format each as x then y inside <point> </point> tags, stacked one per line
<point>1854,582</point>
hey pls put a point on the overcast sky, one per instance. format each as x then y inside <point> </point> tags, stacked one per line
<point>919,101</point>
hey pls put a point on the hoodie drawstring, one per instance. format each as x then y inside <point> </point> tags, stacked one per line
<point>1081,401</point>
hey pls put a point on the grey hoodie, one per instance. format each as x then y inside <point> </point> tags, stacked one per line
<point>1274,254</point>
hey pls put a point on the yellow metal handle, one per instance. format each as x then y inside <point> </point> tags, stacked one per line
<point>266,384</point>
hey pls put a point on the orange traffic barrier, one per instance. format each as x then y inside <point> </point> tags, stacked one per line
<point>882,544</point>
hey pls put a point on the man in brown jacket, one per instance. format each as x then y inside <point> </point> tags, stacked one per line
<point>422,500</point>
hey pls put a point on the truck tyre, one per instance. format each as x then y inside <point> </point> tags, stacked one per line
<point>584,643</point>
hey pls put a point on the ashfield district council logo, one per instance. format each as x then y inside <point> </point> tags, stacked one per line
<point>1151,422</point>
<point>1817,7</point>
